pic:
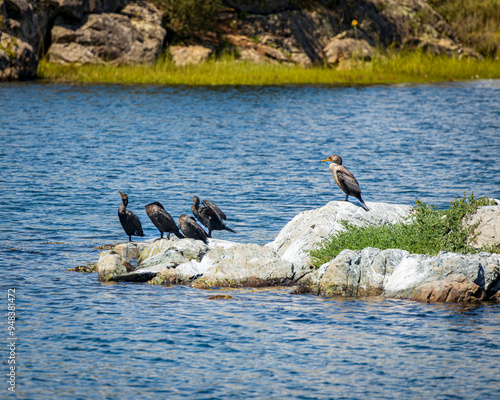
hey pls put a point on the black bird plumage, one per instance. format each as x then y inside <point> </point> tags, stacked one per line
<point>209,215</point>
<point>130,222</point>
<point>162,220</point>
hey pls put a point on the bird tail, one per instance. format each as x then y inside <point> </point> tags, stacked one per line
<point>229,229</point>
<point>179,235</point>
<point>363,204</point>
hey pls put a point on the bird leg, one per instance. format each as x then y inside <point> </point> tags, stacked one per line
<point>168,235</point>
<point>346,196</point>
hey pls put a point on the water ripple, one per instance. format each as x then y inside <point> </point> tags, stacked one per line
<point>65,151</point>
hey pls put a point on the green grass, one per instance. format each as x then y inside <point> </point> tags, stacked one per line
<point>427,231</point>
<point>415,67</point>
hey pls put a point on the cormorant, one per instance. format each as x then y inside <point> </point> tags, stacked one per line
<point>210,215</point>
<point>345,179</point>
<point>162,220</point>
<point>191,229</point>
<point>130,221</point>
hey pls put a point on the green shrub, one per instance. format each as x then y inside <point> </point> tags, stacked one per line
<point>427,231</point>
<point>186,17</point>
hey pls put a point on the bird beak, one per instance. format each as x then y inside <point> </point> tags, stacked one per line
<point>324,160</point>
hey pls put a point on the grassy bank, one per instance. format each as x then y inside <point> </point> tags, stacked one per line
<point>416,67</point>
<point>428,231</point>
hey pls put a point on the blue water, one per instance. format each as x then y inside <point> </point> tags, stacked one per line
<point>66,150</point>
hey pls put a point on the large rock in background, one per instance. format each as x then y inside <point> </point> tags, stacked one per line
<point>23,27</point>
<point>304,36</point>
<point>18,60</point>
<point>135,35</point>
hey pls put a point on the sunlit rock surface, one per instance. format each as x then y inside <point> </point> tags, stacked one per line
<point>447,277</point>
<point>307,229</point>
<point>134,35</point>
<point>488,230</point>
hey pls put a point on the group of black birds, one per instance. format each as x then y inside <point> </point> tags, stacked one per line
<point>209,215</point>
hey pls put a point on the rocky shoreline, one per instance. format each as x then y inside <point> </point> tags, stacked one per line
<point>393,273</point>
<point>273,31</point>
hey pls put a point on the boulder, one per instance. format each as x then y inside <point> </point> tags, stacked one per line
<point>488,230</point>
<point>344,46</point>
<point>447,277</point>
<point>307,229</point>
<point>111,265</point>
<point>18,60</point>
<point>173,250</point>
<point>18,19</point>
<point>131,250</point>
<point>133,36</point>
<point>186,55</point>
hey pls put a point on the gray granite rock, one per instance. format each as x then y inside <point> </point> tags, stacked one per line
<point>18,60</point>
<point>447,277</point>
<point>307,229</point>
<point>111,265</point>
<point>135,35</point>
<point>488,230</point>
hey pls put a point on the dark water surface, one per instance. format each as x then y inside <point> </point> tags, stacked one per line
<point>65,151</point>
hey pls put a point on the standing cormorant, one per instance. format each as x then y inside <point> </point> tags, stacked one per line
<point>210,215</point>
<point>345,179</point>
<point>162,220</point>
<point>130,221</point>
<point>191,229</point>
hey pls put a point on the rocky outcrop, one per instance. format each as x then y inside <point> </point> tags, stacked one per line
<point>22,26</point>
<point>447,277</point>
<point>189,261</point>
<point>394,273</point>
<point>314,34</point>
<point>135,35</point>
<point>307,229</point>
<point>128,32</point>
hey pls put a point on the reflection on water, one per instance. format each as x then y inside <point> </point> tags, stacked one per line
<point>65,151</point>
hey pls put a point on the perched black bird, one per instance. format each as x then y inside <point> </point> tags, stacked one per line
<point>162,220</point>
<point>130,221</point>
<point>191,229</point>
<point>210,215</point>
<point>345,179</point>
